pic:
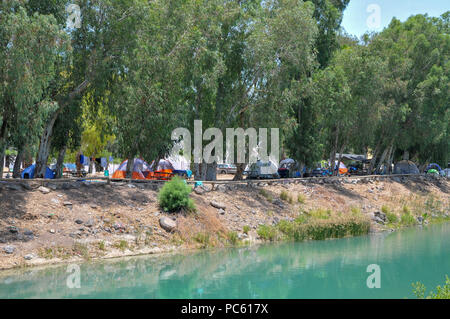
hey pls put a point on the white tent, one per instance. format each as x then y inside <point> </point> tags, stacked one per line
<point>179,162</point>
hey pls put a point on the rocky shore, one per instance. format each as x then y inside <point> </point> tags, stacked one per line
<point>72,222</point>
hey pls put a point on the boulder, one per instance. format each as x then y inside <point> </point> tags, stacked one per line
<point>9,249</point>
<point>217,205</point>
<point>14,186</point>
<point>29,256</point>
<point>199,191</point>
<point>44,190</point>
<point>167,224</point>
<point>381,216</point>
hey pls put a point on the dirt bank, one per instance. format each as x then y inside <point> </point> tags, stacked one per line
<point>44,225</point>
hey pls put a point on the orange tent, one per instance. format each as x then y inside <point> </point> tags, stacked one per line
<point>140,170</point>
<point>164,171</point>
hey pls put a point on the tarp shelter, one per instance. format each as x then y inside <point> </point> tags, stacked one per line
<point>406,167</point>
<point>140,169</point>
<point>28,172</point>
<point>352,157</point>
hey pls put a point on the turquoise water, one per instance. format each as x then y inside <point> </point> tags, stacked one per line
<point>325,269</point>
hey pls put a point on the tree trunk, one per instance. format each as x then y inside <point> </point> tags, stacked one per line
<point>44,148</point>
<point>91,165</point>
<point>390,160</point>
<point>18,163</point>
<point>333,151</point>
<point>383,157</point>
<point>373,161</point>
<point>197,174</point>
<point>60,162</point>
<point>130,165</point>
<point>2,160</point>
<point>211,172</point>
<point>239,176</point>
<point>405,155</point>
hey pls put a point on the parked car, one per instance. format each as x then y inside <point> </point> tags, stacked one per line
<point>226,169</point>
<point>263,170</point>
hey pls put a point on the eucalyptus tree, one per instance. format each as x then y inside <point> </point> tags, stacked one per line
<point>304,138</point>
<point>415,94</point>
<point>148,100</point>
<point>30,47</point>
<point>106,35</point>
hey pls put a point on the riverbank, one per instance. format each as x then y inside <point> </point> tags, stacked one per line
<point>40,226</point>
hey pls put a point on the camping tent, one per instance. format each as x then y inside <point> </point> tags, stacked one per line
<point>28,172</point>
<point>406,167</point>
<point>435,166</point>
<point>140,169</point>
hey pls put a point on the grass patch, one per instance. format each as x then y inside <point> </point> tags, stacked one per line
<point>266,195</point>
<point>268,233</point>
<point>122,245</point>
<point>317,225</point>
<point>203,239</point>
<point>407,219</point>
<point>286,197</point>
<point>320,213</point>
<point>246,229</point>
<point>101,245</point>
<point>233,238</point>
<point>301,199</point>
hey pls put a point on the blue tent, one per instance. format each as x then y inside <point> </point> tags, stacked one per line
<point>433,165</point>
<point>29,172</point>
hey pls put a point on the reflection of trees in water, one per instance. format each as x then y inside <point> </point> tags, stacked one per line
<point>279,270</point>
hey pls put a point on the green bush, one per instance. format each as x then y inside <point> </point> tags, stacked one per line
<point>246,229</point>
<point>267,232</point>
<point>174,196</point>
<point>408,220</point>
<point>233,237</point>
<point>391,217</point>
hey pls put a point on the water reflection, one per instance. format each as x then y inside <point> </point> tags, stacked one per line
<point>327,269</point>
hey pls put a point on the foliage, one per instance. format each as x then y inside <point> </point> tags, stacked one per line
<point>318,225</point>
<point>174,196</point>
<point>442,292</point>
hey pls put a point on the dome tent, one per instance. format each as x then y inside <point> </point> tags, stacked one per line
<point>28,172</point>
<point>140,169</point>
<point>406,167</point>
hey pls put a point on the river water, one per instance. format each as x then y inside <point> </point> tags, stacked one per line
<point>319,269</point>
